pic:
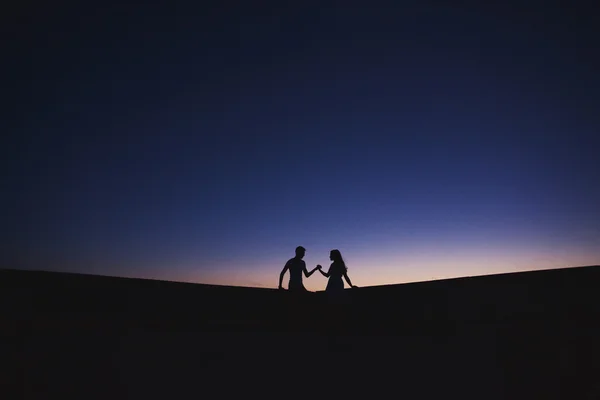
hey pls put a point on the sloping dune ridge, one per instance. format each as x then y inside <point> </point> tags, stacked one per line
<point>519,335</point>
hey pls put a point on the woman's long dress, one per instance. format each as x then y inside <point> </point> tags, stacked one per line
<point>335,284</point>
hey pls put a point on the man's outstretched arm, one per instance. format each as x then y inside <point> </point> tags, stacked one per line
<point>282,274</point>
<point>308,274</point>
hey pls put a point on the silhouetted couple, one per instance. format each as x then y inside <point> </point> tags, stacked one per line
<point>297,267</point>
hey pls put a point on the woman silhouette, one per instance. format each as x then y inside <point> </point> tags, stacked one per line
<point>336,271</point>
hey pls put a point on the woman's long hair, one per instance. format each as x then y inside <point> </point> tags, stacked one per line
<point>337,258</point>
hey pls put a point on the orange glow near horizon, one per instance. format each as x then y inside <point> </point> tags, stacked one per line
<point>389,271</point>
<point>364,269</point>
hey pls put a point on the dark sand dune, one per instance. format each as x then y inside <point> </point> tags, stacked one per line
<point>531,335</point>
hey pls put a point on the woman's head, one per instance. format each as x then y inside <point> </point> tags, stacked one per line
<point>336,256</point>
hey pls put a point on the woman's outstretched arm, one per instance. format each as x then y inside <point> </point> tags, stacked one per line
<point>347,278</point>
<point>325,274</point>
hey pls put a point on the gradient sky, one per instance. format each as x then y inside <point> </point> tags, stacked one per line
<point>204,144</point>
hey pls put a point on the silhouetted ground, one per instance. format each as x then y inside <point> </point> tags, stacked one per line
<point>530,335</point>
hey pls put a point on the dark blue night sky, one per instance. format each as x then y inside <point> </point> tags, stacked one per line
<point>205,144</point>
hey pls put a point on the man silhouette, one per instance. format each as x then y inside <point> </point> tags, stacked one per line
<point>296,266</point>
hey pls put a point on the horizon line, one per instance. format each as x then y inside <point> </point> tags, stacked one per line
<point>275,288</point>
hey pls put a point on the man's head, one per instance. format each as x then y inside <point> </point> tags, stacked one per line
<point>300,251</point>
